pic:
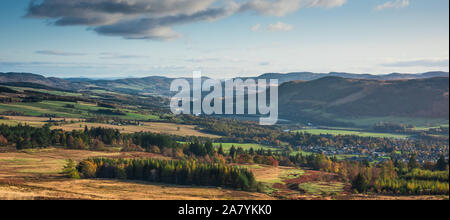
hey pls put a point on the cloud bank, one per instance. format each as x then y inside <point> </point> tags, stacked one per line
<point>443,62</point>
<point>155,19</point>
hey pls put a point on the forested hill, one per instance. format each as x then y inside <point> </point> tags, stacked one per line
<point>308,76</point>
<point>336,96</point>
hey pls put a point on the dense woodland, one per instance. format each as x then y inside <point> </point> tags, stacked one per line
<point>391,177</point>
<point>182,172</point>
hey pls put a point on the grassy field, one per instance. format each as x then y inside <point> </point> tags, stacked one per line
<point>34,174</point>
<point>338,156</point>
<point>51,92</point>
<point>351,132</point>
<point>369,122</point>
<point>322,188</point>
<point>71,110</point>
<point>155,127</point>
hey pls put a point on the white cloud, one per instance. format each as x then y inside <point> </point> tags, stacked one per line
<point>393,4</point>
<point>255,28</point>
<point>284,7</point>
<point>280,26</point>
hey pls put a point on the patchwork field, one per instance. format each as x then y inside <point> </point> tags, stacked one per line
<point>155,127</point>
<point>72,110</point>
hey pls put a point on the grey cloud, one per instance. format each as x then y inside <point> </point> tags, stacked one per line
<point>159,28</point>
<point>101,12</point>
<point>154,19</point>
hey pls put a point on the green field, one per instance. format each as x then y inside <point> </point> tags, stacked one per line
<point>51,92</point>
<point>227,146</point>
<point>351,132</point>
<point>369,122</point>
<point>62,109</point>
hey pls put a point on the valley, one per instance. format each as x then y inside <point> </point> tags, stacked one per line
<point>318,154</point>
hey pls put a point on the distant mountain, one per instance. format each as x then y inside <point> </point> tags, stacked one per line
<point>308,76</point>
<point>160,86</point>
<point>15,78</point>
<point>153,85</point>
<point>331,97</point>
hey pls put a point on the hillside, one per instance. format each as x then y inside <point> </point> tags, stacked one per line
<point>159,85</point>
<point>338,97</point>
<point>27,78</point>
<point>308,76</point>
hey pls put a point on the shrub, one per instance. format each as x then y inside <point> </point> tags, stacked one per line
<point>70,170</point>
<point>133,148</point>
<point>87,169</point>
<point>154,149</point>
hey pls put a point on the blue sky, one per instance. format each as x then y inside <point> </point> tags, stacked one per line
<point>224,38</point>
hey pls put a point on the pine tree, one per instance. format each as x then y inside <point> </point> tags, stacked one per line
<point>441,164</point>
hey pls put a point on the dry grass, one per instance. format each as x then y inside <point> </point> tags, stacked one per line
<point>33,174</point>
<point>37,119</point>
<point>155,127</point>
<point>31,121</point>
<point>119,190</point>
<point>42,162</point>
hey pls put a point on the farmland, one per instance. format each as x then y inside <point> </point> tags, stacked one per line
<point>78,124</point>
<point>351,132</point>
<point>367,122</point>
<point>154,127</point>
<point>71,110</point>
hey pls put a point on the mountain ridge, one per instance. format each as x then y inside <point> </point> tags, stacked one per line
<point>159,85</point>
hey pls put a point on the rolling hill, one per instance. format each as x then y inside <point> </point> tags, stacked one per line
<point>318,98</point>
<point>159,85</point>
<point>333,97</point>
<point>308,76</point>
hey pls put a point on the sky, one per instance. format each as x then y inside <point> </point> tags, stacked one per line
<point>222,38</point>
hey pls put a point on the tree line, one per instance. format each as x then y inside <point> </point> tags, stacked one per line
<point>181,172</point>
<point>389,177</point>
